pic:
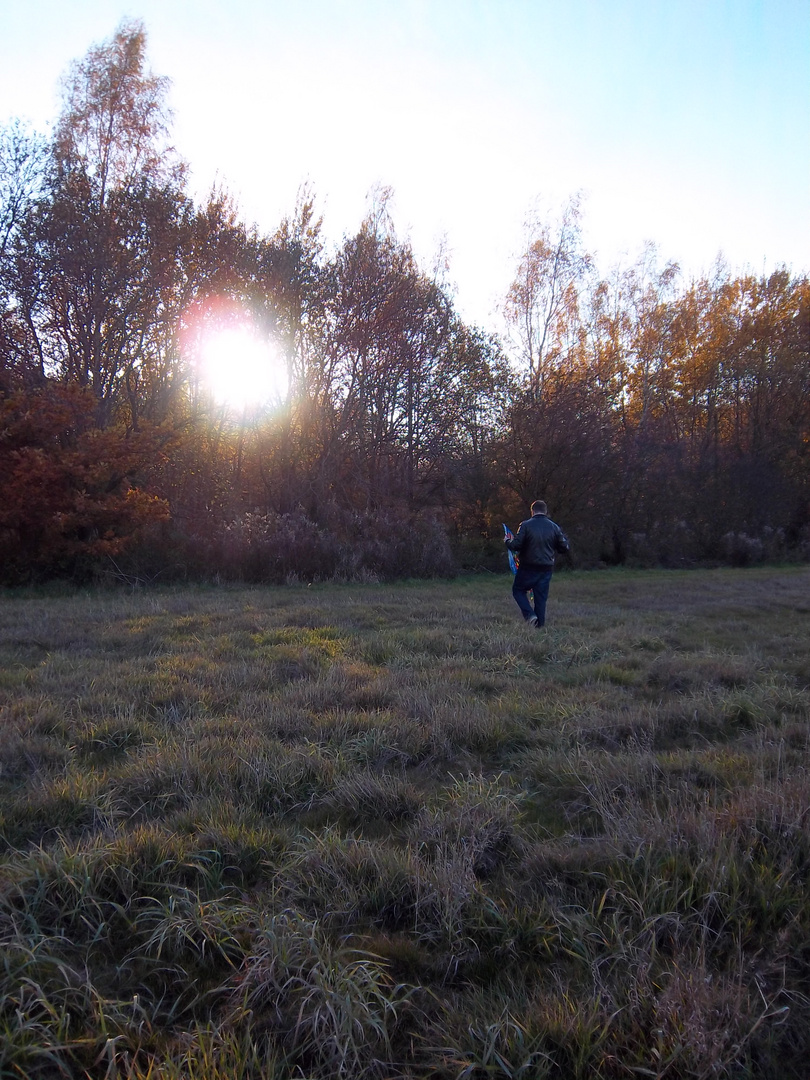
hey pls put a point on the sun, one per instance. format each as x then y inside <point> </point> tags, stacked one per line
<point>243,370</point>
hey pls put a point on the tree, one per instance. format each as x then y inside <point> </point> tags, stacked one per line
<point>100,269</point>
<point>289,275</point>
<point>542,305</point>
<point>23,167</point>
<point>23,161</point>
<point>387,325</point>
<point>114,116</point>
<point>70,495</point>
<point>94,278</point>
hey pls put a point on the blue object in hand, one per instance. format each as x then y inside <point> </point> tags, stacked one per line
<point>513,565</point>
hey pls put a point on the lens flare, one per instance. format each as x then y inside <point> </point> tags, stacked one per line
<point>241,369</point>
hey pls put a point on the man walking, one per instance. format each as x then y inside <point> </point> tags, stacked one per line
<point>538,540</point>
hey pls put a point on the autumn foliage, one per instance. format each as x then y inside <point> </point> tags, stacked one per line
<point>69,494</point>
<point>664,421</point>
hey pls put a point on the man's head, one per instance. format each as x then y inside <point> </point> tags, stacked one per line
<point>538,507</point>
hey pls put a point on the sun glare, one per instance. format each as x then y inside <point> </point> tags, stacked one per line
<point>242,370</point>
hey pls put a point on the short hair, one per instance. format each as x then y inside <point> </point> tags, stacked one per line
<point>539,507</point>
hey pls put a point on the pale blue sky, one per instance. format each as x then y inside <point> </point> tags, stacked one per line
<point>683,122</point>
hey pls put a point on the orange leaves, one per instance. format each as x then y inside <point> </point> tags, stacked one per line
<point>67,490</point>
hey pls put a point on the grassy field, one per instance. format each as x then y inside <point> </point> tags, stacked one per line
<point>389,831</point>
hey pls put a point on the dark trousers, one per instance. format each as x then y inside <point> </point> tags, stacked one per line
<point>536,580</point>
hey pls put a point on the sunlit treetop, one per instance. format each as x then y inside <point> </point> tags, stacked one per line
<point>115,120</point>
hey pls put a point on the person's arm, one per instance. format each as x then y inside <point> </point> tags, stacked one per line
<point>515,543</point>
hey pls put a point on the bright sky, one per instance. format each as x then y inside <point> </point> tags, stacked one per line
<point>683,122</point>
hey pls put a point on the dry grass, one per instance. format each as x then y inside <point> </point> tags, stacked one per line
<point>388,831</point>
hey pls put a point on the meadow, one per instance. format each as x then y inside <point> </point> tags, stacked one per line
<point>388,831</point>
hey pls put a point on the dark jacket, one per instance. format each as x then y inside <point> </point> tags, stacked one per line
<point>536,542</point>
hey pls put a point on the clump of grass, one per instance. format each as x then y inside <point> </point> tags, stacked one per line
<point>364,797</point>
<point>334,1008</point>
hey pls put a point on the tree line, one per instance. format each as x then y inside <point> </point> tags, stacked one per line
<point>665,422</point>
